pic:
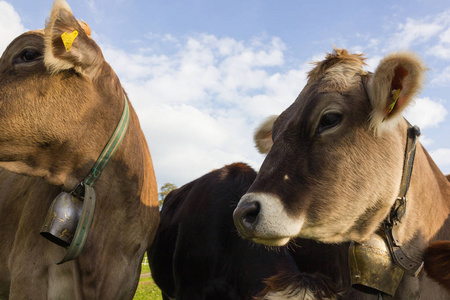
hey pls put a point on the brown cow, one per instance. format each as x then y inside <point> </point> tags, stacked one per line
<point>58,109</point>
<point>336,162</point>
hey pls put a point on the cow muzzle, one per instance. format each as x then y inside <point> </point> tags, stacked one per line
<point>62,219</point>
<point>262,218</point>
<point>372,269</point>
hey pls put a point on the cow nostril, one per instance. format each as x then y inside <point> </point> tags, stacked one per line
<point>251,212</point>
<point>245,217</point>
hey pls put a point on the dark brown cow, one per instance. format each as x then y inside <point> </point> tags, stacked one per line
<point>58,109</point>
<point>197,253</point>
<point>336,164</point>
<point>437,262</point>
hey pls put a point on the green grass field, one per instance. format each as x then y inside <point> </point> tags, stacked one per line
<point>147,289</point>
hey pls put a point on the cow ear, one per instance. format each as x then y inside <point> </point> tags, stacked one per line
<point>67,42</point>
<point>263,135</point>
<point>397,80</point>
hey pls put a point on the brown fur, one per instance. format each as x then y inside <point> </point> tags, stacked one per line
<point>437,262</point>
<point>57,112</point>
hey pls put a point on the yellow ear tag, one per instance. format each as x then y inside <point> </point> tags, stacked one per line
<point>394,94</point>
<point>68,39</point>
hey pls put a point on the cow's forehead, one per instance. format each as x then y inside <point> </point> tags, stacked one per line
<point>341,79</point>
<point>340,73</point>
<point>37,32</point>
<point>339,90</point>
<point>27,37</point>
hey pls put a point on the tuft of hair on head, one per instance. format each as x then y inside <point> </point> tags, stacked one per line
<point>298,286</point>
<point>337,57</point>
<point>437,262</point>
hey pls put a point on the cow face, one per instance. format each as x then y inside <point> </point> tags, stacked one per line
<point>54,83</point>
<point>336,154</point>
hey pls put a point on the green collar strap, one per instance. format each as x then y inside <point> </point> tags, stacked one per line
<point>85,190</point>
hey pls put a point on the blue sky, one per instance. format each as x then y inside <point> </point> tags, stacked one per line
<point>203,74</point>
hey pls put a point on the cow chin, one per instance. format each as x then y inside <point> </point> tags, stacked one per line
<point>272,242</point>
<point>326,238</point>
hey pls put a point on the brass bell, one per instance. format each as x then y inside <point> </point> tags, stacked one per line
<point>62,219</point>
<point>372,269</point>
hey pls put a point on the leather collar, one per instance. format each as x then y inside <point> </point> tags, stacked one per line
<point>398,209</point>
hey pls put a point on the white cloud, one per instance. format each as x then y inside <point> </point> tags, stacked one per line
<point>373,62</point>
<point>420,31</point>
<point>430,37</point>
<point>442,48</point>
<point>439,50</point>
<point>10,24</point>
<point>426,113</point>
<point>415,32</point>
<point>425,141</point>
<point>445,37</point>
<point>441,157</point>
<point>442,78</point>
<point>199,105</point>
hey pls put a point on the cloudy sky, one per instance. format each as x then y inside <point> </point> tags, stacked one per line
<point>202,74</point>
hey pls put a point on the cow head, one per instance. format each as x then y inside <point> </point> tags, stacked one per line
<point>56,94</point>
<point>335,156</point>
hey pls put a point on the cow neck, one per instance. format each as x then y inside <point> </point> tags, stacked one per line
<point>398,209</point>
<point>85,189</point>
<point>107,153</point>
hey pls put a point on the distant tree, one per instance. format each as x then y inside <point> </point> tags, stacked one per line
<point>166,188</point>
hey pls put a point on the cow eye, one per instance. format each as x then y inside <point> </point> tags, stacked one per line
<point>328,121</point>
<point>29,55</point>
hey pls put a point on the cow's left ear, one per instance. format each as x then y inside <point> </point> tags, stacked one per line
<point>67,42</point>
<point>263,135</point>
<point>398,78</point>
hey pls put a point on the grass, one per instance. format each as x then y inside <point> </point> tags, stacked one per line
<point>147,289</point>
<point>145,268</point>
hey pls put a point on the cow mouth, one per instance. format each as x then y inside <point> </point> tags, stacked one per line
<point>250,234</point>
